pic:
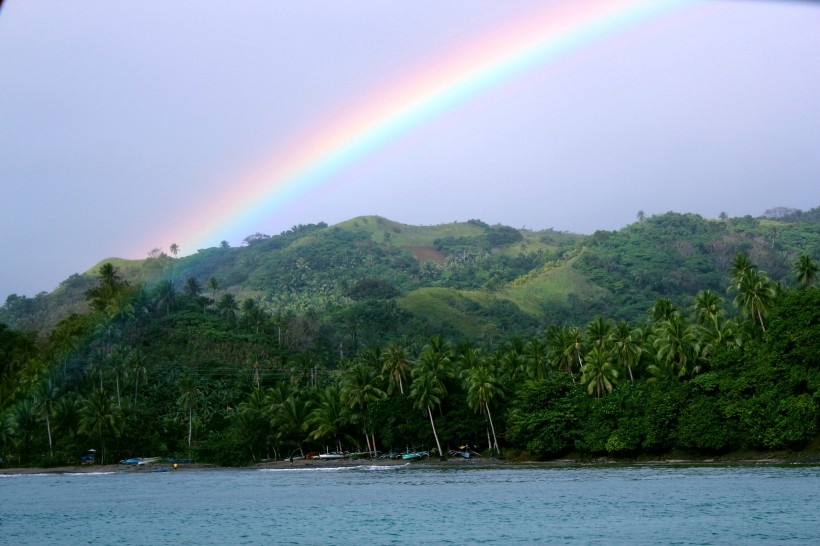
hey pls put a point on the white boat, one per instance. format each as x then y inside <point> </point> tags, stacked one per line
<point>149,460</point>
<point>332,456</point>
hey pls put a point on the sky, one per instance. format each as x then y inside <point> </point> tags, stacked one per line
<point>128,126</point>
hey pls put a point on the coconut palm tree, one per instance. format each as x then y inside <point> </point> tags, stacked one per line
<point>806,271</point>
<point>625,347</point>
<point>396,366</point>
<point>213,284</point>
<point>174,248</point>
<point>677,345</point>
<point>557,341</point>
<point>99,417</point>
<point>430,371</point>
<point>45,395</point>
<point>599,373</point>
<point>24,422</point>
<point>663,309</point>
<point>136,362</point>
<point>329,416</point>
<point>361,385</point>
<point>192,288</point>
<point>165,295</point>
<point>574,346</point>
<point>598,332</point>
<point>188,400</point>
<point>741,264</point>
<point>707,303</point>
<point>756,294</point>
<point>482,388</point>
<point>228,307</point>
<point>718,332</point>
<point>536,358</point>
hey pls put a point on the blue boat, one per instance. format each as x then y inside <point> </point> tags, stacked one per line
<point>415,456</point>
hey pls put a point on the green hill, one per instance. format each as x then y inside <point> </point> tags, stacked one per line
<point>467,279</point>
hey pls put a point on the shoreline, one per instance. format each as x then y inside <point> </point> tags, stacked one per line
<point>740,459</point>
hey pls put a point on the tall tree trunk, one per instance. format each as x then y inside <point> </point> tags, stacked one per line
<point>435,434</point>
<point>367,440</point>
<point>373,436</point>
<point>48,428</point>
<point>401,388</point>
<point>190,428</point>
<point>495,440</point>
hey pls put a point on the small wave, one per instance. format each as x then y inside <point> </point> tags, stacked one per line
<point>366,468</point>
<point>88,473</point>
<point>384,467</point>
<point>26,475</point>
<point>309,469</point>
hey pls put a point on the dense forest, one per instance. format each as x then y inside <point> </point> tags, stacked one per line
<point>674,333</point>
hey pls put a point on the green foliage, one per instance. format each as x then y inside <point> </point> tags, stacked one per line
<point>320,336</point>
<point>545,420</point>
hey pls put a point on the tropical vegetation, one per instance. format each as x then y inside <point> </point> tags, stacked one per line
<point>331,338</point>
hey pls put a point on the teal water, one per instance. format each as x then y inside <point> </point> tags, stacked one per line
<point>415,504</point>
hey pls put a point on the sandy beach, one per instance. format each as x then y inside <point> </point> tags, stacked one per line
<point>809,457</point>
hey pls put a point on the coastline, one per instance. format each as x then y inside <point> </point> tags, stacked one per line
<point>745,459</point>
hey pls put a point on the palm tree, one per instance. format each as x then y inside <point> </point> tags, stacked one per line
<point>24,418</point>
<point>599,373</point>
<point>598,332</point>
<point>707,304</point>
<point>117,364</point>
<point>213,284</point>
<point>482,388</point>
<point>360,386</point>
<point>328,417</point>
<point>188,400</point>
<point>429,373</point>
<point>756,295</point>
<point>99,417</point>
<point>136,367</point>
<point>290,418</point>
<point>663,309</point>
<point>625,346</point>
<point>192,288</point>
<point>806,271</point>
<point>174,249</point>
<point>677,345</point>
<point>110,287</point>
<point>165,295</point>
<point>718,332</point>
<point>45,395</point>
<point>641,216</point>
<point>396,364</point>
<point>574,346</point>
<point>741,264</point>
<point>228,307</point>
<point>557,341</point>
<point>535,358</point>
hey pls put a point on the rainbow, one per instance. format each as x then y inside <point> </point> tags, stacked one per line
<point>553,33</point>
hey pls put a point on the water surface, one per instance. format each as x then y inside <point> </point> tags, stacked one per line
<point>414,504</point>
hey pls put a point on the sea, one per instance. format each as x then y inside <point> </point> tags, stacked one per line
<point>417,504</point>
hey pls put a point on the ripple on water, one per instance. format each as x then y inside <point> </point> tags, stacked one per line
<point>413,504</point>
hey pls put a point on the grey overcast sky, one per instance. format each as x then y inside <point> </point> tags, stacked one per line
<point>122,123</point>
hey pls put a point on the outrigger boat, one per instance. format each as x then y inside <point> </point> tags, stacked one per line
<point>334,455</point>
<point>140,460</point>
<point>415,456</point>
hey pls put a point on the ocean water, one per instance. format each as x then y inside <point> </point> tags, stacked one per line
<point>415,504</point>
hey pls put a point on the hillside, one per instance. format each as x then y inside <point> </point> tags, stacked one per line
<point>465,279</point>
<point>327,336</point>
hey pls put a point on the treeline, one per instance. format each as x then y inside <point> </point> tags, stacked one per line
<point>193,372</point>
